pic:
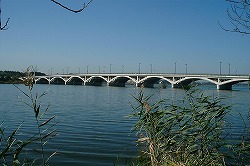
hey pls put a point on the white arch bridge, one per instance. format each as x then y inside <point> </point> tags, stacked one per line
<point>223,82</point>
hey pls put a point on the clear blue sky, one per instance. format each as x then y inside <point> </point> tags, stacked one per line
<point>122,32</point>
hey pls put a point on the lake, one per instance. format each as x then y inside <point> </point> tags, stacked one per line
<point>94,127</point>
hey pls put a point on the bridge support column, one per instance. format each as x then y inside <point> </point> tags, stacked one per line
<point>224,87</point>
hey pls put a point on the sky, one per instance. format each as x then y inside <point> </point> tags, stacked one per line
<point>122,35</point>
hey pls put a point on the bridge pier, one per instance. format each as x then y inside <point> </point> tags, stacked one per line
<point>224,87</point>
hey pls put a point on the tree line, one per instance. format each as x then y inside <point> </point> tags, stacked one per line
<point>13,77</point>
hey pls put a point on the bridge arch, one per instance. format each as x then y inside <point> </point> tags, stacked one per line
<point>234,81</point>
<point>221,85</point>
<point>149,81</point>
<point>168,80</point>
<point>58,80</point>
<point>75,80</point>
<point>120,81</point>
<point>227,85</point>
<point>187,80</point>
<point>42,80</point>
<point>95,80</point>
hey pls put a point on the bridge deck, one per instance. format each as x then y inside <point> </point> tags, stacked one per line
<point>142,79</point>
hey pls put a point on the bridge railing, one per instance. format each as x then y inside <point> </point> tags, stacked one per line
<point>151,74</point>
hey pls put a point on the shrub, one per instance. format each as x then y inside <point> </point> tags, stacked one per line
<point>190,132</point>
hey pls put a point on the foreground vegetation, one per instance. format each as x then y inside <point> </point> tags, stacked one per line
<point>191,131</point>
<point>12,146</point>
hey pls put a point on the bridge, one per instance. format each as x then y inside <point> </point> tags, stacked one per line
<point>223,82</point>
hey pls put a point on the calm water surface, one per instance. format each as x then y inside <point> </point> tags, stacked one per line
<point>93,125</point>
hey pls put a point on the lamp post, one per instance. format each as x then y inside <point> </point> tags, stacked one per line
<point>63,71</point>
<point>186,68</point>
<point>220,68</point>
<point>51,71</point>
<point>122,68</point>
<point>67,70</point>
<point>79,70</point>
<point>110,66</point>
<point>35,70</point>
<point>99,69</point>
<point>151,68</point>
<point>229,68</point>
<point>87,69</point>
<point>175,67</point>
<point>139,70</point>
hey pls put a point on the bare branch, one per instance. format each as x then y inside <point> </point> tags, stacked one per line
<point>239,15</point>
<point>5,27</point>
<point>233,30</point>
<point>233,1</point>
<point>69,9</point>
<point>85,5</point>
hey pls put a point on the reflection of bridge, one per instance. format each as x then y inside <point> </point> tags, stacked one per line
<point>223,82</point>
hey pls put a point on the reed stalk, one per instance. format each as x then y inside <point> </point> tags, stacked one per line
<point>13,147</point>
<point>189,131</point>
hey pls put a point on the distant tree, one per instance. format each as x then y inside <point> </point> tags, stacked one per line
<point>85,5</point>
<point>14,76</point>
<point>239,15</point>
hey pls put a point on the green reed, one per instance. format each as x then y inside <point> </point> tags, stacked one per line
<point>189,131</point>
<point>12,147</point>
